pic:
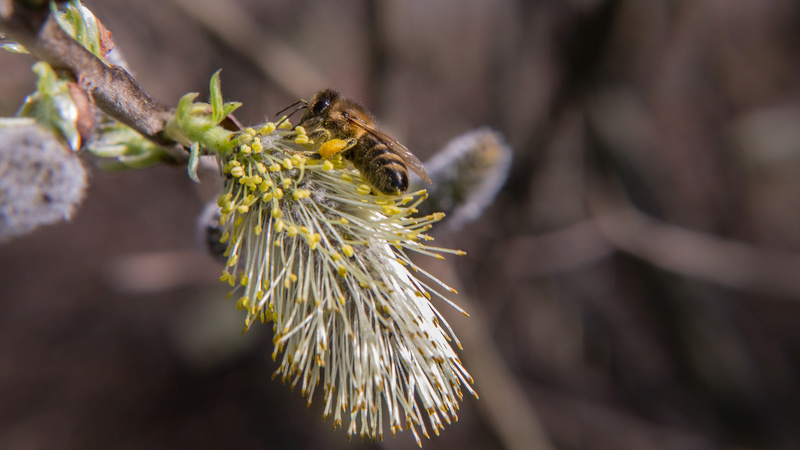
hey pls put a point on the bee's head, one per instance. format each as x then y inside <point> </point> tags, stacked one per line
<point>319,105</point>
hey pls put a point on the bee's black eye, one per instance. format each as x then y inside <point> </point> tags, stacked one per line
<point>320,105</point>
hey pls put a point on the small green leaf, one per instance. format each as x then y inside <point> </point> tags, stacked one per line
<point>185,106</point>
<point>216,99</point>
<point>230,107</point>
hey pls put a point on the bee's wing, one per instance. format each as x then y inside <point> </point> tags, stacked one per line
<point>397,148</point>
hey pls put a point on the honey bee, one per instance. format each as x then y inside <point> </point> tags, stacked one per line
<point>382,161</point>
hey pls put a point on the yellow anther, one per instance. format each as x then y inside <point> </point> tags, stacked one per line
<point>300,130</point>
<point>245,149</point>
<point>342,271</point>
<point>243,280</point>
<point>268,128</point>
<point>278,193</point>
<point>224,238</point>
<point>285,124</point>
<point>257,230</point>
<point>364,189</point>
<point>301,193</point>
<point>279,226</point>
<point>302,139</point>
<point>275,167</point>
<point>277,213</point>
<point>243,209</point>
<point>232,261</point>
<point>347,249</point>
<point>237,171</point>
<point>287,163</point>
<point>391,210</point>
<point>261,167</point>
<point>327,166</point>
<point>346,177</point>
<point>292,231</point>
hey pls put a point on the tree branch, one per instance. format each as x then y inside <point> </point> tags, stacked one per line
<point>114,91</point>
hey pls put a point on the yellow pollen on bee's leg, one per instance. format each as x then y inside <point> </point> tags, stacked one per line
<point>332,147</point>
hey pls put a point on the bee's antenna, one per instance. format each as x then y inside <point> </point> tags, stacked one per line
<point>305,104</point>
<point>285,118</point>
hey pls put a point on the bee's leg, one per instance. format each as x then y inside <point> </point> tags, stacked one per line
<point>334,146</point>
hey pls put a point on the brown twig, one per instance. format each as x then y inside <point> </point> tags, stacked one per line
<point>114,91</point>
<point>725,262</point>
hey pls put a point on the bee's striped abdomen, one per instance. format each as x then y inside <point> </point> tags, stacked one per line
<point>381,167</point>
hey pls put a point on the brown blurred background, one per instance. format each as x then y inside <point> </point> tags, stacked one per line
<point>634,286</point>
